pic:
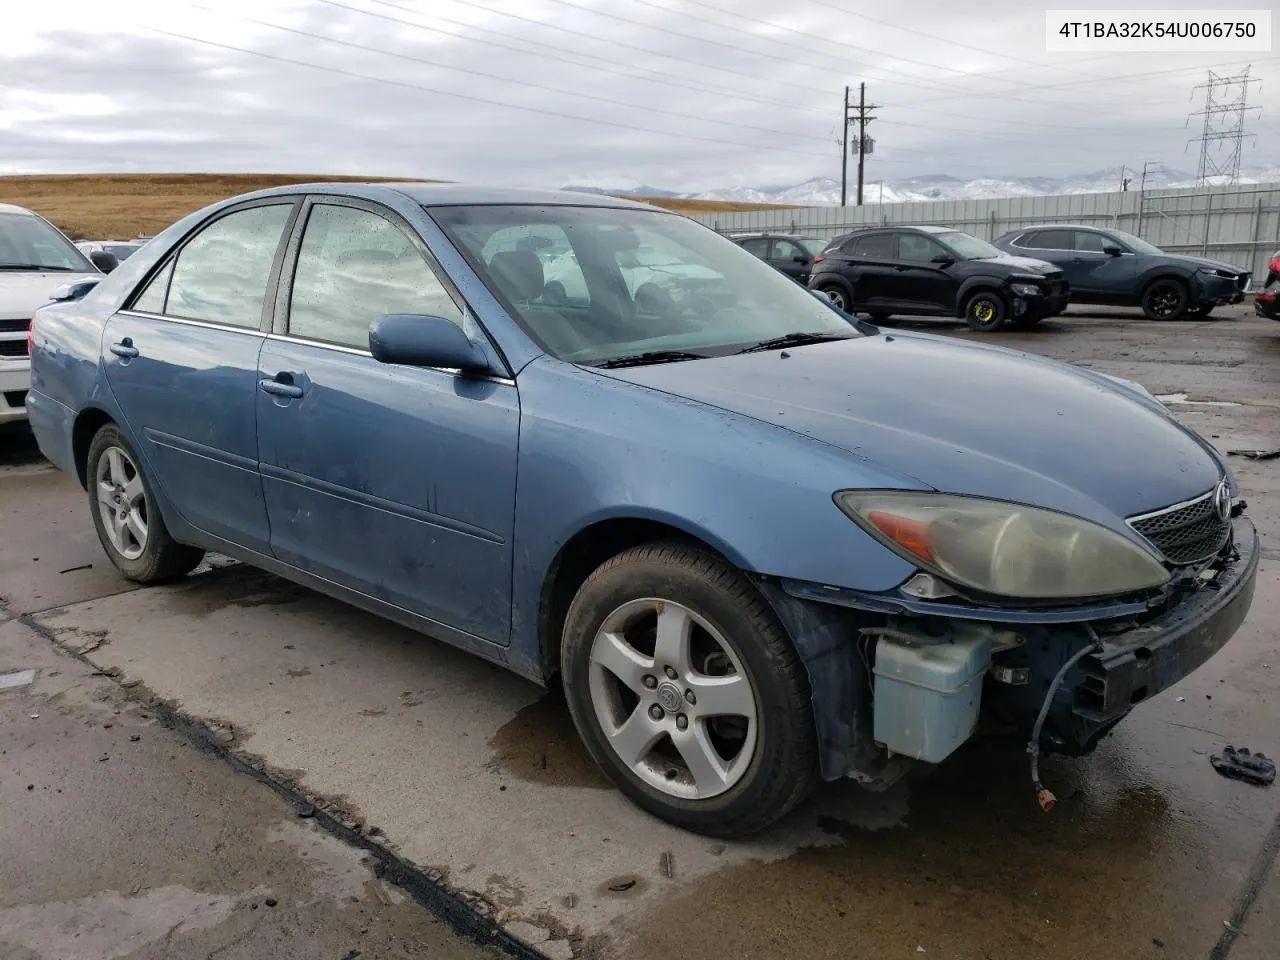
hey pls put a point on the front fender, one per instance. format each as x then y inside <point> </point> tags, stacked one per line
<point>593,447</point>
<point>971,284</point>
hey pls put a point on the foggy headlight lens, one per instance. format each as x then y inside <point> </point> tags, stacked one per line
<point>1025,289</point>
<point>1005,549</point>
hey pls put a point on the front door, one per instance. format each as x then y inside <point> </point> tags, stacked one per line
<point>915,282</point>
<point>397,482</point>
<point>790,258</point>
<point>182,363</point>
<point>1098,274</point>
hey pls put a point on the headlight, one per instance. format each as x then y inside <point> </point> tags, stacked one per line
<point>1212,272</point>
<point>1025,289</point>
<point>1004,549</point>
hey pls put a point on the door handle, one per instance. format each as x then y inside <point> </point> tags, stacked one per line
<point>278,388</point>
<point>125,349</point>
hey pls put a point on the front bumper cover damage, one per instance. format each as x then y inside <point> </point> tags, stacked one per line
<point>1145,647</point>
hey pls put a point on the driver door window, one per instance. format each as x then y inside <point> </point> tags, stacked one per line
<point>914,248</point>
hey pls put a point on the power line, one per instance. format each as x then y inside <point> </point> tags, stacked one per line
<point>485,100</point>
<point>525,83</point>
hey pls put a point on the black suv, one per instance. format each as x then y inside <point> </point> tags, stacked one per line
<point>939,272</point>
<point>1116,268</point>
<point>788,254</point>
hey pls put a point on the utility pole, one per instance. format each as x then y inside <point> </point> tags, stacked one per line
<point>1124,181</point>
<point>1224,118</point>
<point>861,113</point>
<point>844,149</point>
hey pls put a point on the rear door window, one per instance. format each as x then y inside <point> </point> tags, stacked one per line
<point>1047,240</point>
<point>221,274</point>
<point>876,246</point>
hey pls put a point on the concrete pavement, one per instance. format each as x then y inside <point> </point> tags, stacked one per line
<point>476,777</point>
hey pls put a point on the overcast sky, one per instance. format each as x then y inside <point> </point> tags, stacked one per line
<point>674,93</point>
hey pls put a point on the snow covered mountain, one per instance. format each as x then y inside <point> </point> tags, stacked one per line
<point>825,190</point>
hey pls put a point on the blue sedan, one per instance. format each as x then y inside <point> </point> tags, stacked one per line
<point>759,543</point>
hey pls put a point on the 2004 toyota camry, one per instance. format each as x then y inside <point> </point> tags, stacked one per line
<point>759,542</point>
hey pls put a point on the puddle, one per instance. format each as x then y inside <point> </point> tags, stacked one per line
<point>234,586</point>
<point>109,925</point>
<point>541,745</point>
<point>335,869</point>
<point>1112,869</point>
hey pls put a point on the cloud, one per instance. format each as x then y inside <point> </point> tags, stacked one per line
<point>545,92</point>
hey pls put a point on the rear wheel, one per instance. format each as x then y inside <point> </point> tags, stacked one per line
<point>837,294</point>
<point>985,311</point>
<point>124,514</point>
<point>1165,299</point>
<point>687,692</point>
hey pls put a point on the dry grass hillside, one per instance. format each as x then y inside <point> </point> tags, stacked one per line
<point>122,205</point>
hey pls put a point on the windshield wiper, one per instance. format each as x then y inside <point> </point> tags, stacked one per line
<point>42,267</point>
<point>651,356</point>
<point>792,340</point>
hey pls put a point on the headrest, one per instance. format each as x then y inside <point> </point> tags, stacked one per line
<point>518,273</point>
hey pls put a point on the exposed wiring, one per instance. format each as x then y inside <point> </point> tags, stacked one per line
<point>1044,796</point>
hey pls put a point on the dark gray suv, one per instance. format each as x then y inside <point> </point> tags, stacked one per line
<point>1116,268</point>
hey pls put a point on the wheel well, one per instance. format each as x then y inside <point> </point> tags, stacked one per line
<point>88,423</point>
<point>1182,281</point>
<point>982,286</point>
<point>585,551</point>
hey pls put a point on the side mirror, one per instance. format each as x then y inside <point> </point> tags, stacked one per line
<point>104,261</point>
<point>1112,251</point>
<point>420,340</point>
<point>943,259</point>
<point>73,291</point>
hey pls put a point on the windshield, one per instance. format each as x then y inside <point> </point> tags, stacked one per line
<point>966,247</point>
<point>814,247</point>
<point>29,243</point>
<point>1136,244</point>
<point>594,284</point>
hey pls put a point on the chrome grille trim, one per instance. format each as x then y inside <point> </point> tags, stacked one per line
<point>1186,532</point>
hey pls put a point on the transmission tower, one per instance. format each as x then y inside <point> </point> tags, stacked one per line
<point>1226,104</point>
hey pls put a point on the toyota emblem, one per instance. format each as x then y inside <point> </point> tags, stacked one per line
<point>1222,500</point>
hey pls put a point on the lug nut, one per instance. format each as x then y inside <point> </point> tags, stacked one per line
<point>650,681</point>
<point>682,721</point>
<point>671,672</point>
<point>656,712</point>
<point>688,695</point>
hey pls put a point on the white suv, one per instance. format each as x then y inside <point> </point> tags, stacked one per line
<point>35,259</point>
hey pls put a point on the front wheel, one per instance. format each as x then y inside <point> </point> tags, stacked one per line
<point>125,516</point>
<point>985,311</point>
<point>1165,299</point>
<point>1203,310</point>
<point>687,692</point>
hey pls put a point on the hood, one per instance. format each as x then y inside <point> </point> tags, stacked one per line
<point>1198,262</point>
<point>21,293</point>
<point>962,418</point>
<point>1023,264</point>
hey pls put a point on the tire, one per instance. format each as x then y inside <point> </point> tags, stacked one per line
<point>129,525</point>
<point>750,769</point>
<point>1165,299</point>
<point>837,294</point>
<point>1203,310</point>
<point>985,311</point>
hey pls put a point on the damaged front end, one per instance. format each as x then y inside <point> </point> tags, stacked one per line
<point>908,673</point>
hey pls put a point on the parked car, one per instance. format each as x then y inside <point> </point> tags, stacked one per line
<point>758,545</point>
<point>1116,268</point>
<point>1267,301</point>
<point>788,254</point>
<point>35,259</point>
<point>120,249</point>
<point>936,272</point>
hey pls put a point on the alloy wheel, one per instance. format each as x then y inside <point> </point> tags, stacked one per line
<point>672,699</point>
<point>122,501</point>
<point>836,296</point>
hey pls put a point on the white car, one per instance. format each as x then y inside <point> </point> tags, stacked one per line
<point>121,249</point>
<point>35,260</point>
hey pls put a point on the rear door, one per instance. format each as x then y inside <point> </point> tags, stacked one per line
<point>869,257</point>
<point>397,482</point>
<point>182,363</point>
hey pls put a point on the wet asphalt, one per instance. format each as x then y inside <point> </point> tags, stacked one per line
<point>247,694</point>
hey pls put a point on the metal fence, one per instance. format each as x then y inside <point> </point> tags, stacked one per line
<point>1240,225</point>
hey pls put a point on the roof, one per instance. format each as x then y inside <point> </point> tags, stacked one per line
<point>457,194</point>
<point>12,208</point>
<point>1058,226</point>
